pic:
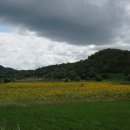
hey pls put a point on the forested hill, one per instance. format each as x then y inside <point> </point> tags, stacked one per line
<point>102,62</point>
<point>105,61</point>
<point>7,72</point>
<point>111,60</point>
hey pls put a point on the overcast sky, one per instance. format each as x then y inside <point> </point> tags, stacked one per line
<point>36,33</point>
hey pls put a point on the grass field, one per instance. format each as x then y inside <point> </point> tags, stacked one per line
<point>64,106</point>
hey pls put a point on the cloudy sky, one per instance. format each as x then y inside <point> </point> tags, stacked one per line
<point>36,33</point>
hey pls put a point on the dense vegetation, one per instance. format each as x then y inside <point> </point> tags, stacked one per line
<point>97,66</point>
<point>101,65</point>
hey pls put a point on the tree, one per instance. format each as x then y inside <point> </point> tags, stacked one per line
<point>72,75</point>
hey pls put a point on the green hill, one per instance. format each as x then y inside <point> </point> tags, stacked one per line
<point>102,64</point>
<point>7,72</point>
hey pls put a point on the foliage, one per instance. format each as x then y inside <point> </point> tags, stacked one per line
<point>128,77</point>
<point>98,77</point>
<point>105,76</point>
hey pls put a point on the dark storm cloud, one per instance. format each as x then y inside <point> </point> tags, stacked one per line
<point>77,22</point>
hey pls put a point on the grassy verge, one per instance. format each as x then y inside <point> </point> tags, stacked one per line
<point>74,116</point>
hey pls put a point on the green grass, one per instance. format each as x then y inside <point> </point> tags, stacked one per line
<point>114,115</point>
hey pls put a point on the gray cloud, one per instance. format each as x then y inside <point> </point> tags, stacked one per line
<point>79,22</point>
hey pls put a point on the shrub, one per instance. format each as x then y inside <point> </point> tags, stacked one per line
<point>77,78</point>
<point>128,77</point>
<point>105,76</point>
<point>98,78</point>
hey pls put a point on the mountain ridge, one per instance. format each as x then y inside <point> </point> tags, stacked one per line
<point>105,61</point>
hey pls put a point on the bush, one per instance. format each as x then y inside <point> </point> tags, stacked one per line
<point>105,76</point>
<point>77,78</point>
<point>66,80</point>
<point>98,78</point>
<point>6,80</point>
<point>128,77</point>
<point>72,75</point>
